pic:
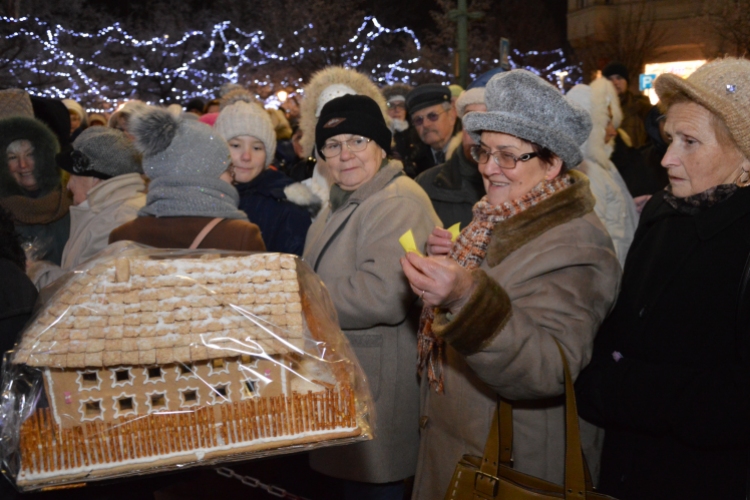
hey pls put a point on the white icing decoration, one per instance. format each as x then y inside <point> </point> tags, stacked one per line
<point>116,405</point>
<point>52,402</point>
<point>151,409</point>
<point>184,403</point>
<point>82,410</point>
<point>216,371</point>
<point>154,380</point>
<point>245,392</point>
<point>123,383</point>
<point>191,373</point>
<point>80,382</point>
<point>217,398</point>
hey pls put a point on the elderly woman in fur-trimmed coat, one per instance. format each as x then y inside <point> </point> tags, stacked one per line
<point>535,266</point>
<point>325,85</point>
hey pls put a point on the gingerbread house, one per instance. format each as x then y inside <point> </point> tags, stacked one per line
<point>148,362</point>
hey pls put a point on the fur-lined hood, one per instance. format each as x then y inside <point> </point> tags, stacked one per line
<point>598,98</point>
<point>320,81</point>
<point>45,148</point>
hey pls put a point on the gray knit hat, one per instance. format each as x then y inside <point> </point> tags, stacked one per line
<point>247,118</point>
<point>723,87</point>
<point>184,160</point>
<point>101,152</point>
<point>173,146</point>
<point>520,103</point>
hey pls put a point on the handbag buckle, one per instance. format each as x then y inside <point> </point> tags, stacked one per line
<point>486,484</point>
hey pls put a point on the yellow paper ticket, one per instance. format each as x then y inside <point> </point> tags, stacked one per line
<point>455,230</point>
<point>407,241</point>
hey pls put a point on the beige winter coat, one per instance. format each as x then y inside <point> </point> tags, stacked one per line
<point>550,273</point>
<point>110,204</point>
<point>356,252</point>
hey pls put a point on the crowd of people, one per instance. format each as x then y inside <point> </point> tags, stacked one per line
<point>591,224</point>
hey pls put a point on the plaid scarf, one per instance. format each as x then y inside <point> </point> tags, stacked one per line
<point>469,251</point>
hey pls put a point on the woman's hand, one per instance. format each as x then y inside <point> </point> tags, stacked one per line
<point>439,242</point>
<point>438,281</point>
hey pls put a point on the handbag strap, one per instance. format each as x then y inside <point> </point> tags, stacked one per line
<point>204,232</point>
<point>575,482</point>
<point>499,446</point>
<point>498,449</point>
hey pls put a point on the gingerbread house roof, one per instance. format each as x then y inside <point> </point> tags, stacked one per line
<point>135,309</point>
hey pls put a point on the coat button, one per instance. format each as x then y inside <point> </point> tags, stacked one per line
<point>423,422</point>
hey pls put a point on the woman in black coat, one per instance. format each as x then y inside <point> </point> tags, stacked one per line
<point>670,376</point>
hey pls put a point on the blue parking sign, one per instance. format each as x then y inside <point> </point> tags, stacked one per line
<point>646,82</point>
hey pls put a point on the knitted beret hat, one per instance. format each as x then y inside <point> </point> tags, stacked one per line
<point>520,103</point>
<point>246,118</point>
<point>102,152</point>
<point>353,114</point>
<point>427,95</point>
<point>15,102</point>
<point>723,87</point>
<point>76,108</point>
<point>173,146</point>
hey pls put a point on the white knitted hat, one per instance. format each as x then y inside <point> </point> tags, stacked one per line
<point>244,118</point>
<point>77,109</point>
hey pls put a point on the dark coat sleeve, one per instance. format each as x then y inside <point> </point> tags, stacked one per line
<point>702,407</point>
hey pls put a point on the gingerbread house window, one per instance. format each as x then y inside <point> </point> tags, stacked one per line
<point>88,381</point>
<point>157,401</point>
<point>220,393</point>
<point>185,371</point>
<point>218,365</point>
<point>154,374</point>
<point>190,396</point>
<point>91,409</point>
<point>249,388</point>
<point>122,377</point>
<point>124,404</point>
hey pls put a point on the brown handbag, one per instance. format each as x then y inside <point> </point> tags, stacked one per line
<point>493,477</point>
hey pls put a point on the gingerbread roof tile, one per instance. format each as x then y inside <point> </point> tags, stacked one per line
<point>137,310</point>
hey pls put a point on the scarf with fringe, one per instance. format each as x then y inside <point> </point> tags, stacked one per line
<point>469,251</point>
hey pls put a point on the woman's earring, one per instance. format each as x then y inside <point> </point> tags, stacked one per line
<point>743,180</point>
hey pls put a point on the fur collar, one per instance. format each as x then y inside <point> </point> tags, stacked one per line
<point>511,234</point>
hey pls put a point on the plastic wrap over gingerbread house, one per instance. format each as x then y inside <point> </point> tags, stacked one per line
<point>144,360</point>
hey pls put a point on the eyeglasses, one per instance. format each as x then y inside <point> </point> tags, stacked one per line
<point>503,159</point>
<point>396,105</point>
<point>417,121</point>
<point>334,148</point>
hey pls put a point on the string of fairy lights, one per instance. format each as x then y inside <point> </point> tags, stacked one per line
<point>102,69</point>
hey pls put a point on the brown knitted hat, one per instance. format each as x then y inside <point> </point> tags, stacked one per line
<point>15,102</point>
<point>723,87</point>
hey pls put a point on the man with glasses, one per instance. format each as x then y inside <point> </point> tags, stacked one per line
<point>456,185</point>
<point>434,119</point>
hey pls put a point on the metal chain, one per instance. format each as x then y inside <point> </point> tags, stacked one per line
<point>255,483</point>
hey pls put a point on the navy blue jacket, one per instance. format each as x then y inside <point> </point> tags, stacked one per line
<point>283,224</point>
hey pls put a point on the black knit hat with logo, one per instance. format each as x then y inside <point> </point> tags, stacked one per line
<point>353,114</point>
